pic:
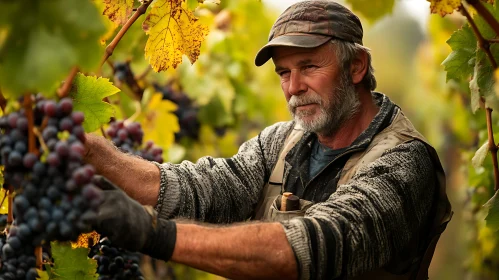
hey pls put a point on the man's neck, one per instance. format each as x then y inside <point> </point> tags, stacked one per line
<point>353,127</point>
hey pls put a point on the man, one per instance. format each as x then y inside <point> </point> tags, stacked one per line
<point>372,191</point>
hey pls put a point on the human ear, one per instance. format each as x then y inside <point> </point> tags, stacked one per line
<point>358,68</point>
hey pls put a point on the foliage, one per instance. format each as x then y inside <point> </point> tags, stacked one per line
<point>173,31</point>
<point>87,93</point>
<point>71,263</point>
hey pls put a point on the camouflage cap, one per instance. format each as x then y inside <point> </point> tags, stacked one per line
<point>309,24</point>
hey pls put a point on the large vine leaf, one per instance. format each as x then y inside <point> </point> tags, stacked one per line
<point>118,11</point>
<point>173,31</point>
<point>459,63</point>
<point>71,263</point>
<point>159,123</point>
<point>492,208</point>
<point>87,93</point>
<point>444,7</point>
<point>44,40</point>
<point>372,9</point>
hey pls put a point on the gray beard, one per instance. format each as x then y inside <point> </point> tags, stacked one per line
<point>343,105</point>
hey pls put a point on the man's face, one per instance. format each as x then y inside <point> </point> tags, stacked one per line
<point>320,94</point>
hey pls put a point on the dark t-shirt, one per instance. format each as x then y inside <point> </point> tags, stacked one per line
<point>321,156</point>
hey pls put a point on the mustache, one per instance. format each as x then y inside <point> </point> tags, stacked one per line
<point>300,100</point>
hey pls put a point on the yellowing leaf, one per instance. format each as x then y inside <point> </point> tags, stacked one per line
<point>87,93</point>
<point>85,240</point>
<point>118,11</point>
<point>4,209</point>
<point>173,31</point>
<point>159,123</point>
<point>444,7</point>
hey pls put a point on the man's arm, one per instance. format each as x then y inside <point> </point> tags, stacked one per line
<point>251,251</point>
<point>137,177</point>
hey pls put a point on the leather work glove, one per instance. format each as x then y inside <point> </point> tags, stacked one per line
<point>132,226</point>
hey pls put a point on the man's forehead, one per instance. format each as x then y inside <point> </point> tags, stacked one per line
<point>279,53</point>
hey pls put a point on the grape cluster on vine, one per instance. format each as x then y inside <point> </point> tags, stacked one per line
<point>129,137</point>
<point>55,197</point>
<point>115,263</point>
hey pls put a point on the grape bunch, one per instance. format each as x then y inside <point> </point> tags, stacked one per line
<point>129,139</point>
<point>115,263</point>
<point>55,197</point>
<point>187,113</point>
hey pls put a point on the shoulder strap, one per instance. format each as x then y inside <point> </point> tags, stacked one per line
<point>278,171</point>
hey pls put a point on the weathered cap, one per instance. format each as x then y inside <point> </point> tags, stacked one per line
<point>309,24</point>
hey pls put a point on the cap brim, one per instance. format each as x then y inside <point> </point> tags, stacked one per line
<point>295,40</point>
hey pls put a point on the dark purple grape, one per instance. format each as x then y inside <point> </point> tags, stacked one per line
<point>29,160</point>
<point>62,148</point>
<point>66,105</point>
<point>77,118</point>
<point>22,124</point>
<point>50,108</point>
<point>79,132</point>
<point>53,159</point>
<point>12,119</point>
<point>15,158</point>
<point>66,124</point>
<point>49,132</point>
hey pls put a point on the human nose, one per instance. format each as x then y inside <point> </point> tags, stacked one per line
<point>296,84</point>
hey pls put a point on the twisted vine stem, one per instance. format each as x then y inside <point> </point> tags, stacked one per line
<point>484,44</point>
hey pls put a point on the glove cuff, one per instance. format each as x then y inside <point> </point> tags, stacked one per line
<point>161,240</point>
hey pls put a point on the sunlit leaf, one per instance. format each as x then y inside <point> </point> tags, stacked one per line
<point>480,155</point>
<point>71,263</point>
<point>84,239</point>
<point>444,7</point>
<point>87,93</point>
<point>118,11</point>
<point>159,122</point>
<point>372,9</point>
<point>45,40</point>
<point>173,31</point>
<point>459,63</point>
<point>492,208</point>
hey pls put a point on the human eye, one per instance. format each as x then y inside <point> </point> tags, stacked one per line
<point>283,74</point>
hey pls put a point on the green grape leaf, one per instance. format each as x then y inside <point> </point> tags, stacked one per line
<point>43,42</point>
<point>483,83</point>
<point>87,93</point>
<point>71,263</point>
<point>372,9</point>
<point>492,208</point>
<point>485,29</point>
<point>480,155</point>
<point>475,90</point>
<point>459,63</point>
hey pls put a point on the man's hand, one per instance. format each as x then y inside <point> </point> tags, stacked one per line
<point>123,220</point>
<point>132,226</point>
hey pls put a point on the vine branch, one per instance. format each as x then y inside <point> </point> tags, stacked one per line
<point>63,91</point>
<point>3,102</point>
<point>482,43</point>
<point>110,48</point>
<point>485,46</point>
<point>482,10</point>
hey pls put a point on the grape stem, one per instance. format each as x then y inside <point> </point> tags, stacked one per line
<point>485,46</point>
<point>38,255</point>
<point>63,91</point>
<point>40,138</point>
<point>10,215</point>
<point>3,101</point>
<point>482,11</point>
<point>28,106</point>
<point>110,48</point>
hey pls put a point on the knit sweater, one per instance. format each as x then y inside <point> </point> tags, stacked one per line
<point>365,224</point>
